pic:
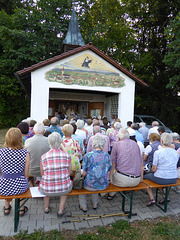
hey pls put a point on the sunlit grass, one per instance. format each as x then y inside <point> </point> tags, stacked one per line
<point>154,229</point>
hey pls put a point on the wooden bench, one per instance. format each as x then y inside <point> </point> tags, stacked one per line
<point>18,198</point>
<point>111,188</point>
<point>158,188</point>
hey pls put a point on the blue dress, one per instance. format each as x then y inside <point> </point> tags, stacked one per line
<point>12,180</point>
<point>97,164</point>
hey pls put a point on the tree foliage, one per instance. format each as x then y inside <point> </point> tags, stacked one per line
<point>172,57</point>
<point>142,35</point>
<point>150,19</point>
<point>28,35</point>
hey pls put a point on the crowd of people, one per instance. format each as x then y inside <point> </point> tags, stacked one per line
<point>50,153</point>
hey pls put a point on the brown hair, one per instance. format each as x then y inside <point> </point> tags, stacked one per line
<point>154,137</point>
<point>14,139</point>
<point>65,122</point>
<point>46,122</point>
<point>32,123</point>
<point>89,121</point>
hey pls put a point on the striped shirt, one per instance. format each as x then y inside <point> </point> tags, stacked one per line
<point>55,164</point>
<point>127,157</point>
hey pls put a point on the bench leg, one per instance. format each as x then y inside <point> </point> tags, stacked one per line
<point>130,202</point>
<point>123,202</point>
<point>167,190</point>
<point>16,214</point>
<point>166,198</point>
<point>16,211</point>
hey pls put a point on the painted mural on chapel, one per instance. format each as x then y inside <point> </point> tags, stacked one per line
<point>85,70</point>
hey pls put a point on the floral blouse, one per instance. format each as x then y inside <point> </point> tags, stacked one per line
<point>97,164</point>
<point>72,147</point>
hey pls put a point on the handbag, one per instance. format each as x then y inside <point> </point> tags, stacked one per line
<point>78,181</point>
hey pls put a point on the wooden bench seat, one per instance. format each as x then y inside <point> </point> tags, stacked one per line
<point>110,188</point>
<point>26,194</point>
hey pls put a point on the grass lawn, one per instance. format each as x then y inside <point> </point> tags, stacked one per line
<point>157,229</point>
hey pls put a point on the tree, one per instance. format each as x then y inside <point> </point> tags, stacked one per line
<point>9,5</point>
<point>149,19</point>
<point>172,57</point>
<point>27,36</point>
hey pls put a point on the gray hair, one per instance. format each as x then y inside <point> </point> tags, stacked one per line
<point>80,124</point>
<point>112,124</point>
<point>142,124</point>
<point>123,133</point>
<point>96,129</point>
<point>117,125</point>
<point>166,139</point>
<point>134,126</point>
<point>155,123</point>
<point>54,121</point>
<point>175,135</point>
<point>98,142</point>
<point>27,120</point>
<point>54,140</point>
<point>39,128</point>
<point>96,122</point>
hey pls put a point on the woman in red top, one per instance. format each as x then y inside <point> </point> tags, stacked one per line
<point>55,170</point>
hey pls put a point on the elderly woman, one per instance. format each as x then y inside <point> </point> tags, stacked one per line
<point>55,170</point>
<point>151,148</point>
<point>71,146</point>
<point>14,167</point>
<point>80,131</point>
<point>96,167</point>
<point>164,168</point>
<point>113,136</point>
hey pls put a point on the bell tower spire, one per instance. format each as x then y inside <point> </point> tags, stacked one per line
<point>73,37</point>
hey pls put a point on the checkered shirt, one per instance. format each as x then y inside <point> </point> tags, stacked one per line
<point>127,157</point>
<point>55,164</point>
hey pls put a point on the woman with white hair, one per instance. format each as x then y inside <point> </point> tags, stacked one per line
<point>55,170</point>
<point>113,136</point>
<point>80,132</point>
<point>96,167</point>
<point>164,168</point>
